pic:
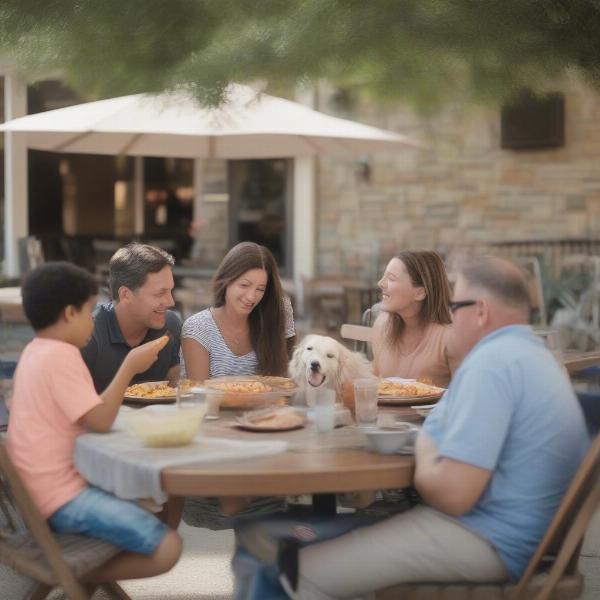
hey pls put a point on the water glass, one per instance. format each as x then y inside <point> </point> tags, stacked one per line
<point>365,401</point>
<point>213,402</point>
<point>325,410</point>
<point>184,396</point>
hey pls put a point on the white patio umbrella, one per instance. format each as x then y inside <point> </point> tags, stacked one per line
<point>248,125</point>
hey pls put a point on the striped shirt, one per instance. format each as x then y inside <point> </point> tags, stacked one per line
<point>203,329</point>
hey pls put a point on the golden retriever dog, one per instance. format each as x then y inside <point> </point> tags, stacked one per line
<point>320,361</point>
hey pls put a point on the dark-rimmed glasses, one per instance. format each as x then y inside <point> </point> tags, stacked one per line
<point>454,306</point>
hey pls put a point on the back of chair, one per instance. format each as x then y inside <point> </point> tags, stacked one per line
<point>20,517</point>
<point>358,333</point>
<point>533,272</point>
<point>566,530</point>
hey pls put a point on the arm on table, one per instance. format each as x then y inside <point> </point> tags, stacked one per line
<point>448,485</point>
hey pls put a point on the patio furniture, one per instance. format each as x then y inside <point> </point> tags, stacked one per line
<point>361,336</point>
<point>559,548</point>
<point>319,464</point>
<point>576,361</point>
<point>193,295</point>
<point>533,272</point>
<point>28,546</point>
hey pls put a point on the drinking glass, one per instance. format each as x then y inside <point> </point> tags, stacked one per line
<point>365,402</point>
<point>325,410</point>
<point>213,402</point>
<point>184,396</point>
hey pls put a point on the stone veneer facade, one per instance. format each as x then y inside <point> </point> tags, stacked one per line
<point>461,190</point>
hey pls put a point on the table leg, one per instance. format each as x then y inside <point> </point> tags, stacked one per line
<point>172,511</point>
<point>324,504</point>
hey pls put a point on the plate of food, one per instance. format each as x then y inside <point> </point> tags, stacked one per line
<point>406,392</point>
<point>154,392</point>
<point>272,420</point>
<point>284,383</point>
<point>238,393</point>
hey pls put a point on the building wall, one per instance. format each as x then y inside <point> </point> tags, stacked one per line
<point>460,190</point>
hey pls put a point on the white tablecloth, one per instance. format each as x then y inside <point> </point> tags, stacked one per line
<point>118,463</point>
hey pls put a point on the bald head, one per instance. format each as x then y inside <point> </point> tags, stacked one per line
<point>498,279</point>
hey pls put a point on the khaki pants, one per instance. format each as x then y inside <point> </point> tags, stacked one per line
<point>420,545</point>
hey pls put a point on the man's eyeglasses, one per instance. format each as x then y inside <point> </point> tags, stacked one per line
<point>454,306</point>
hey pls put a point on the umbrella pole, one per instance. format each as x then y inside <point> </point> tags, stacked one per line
<point>138,195</point>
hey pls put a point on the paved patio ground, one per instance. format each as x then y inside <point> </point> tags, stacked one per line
<point>203,572</point>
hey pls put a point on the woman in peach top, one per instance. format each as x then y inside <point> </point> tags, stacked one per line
<point>410,335</point>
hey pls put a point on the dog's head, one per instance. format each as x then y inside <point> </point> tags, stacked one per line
<point>320,361</point>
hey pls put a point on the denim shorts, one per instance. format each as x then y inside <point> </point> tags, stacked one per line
<point>99,514</point>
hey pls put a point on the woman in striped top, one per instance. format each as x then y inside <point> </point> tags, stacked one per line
<point>250,327</point>
<point>249,330</point>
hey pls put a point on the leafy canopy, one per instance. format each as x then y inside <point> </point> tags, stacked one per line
<point>422,50</point>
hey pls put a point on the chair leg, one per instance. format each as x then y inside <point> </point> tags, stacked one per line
<point>116,591</point>
<point>40,592</point>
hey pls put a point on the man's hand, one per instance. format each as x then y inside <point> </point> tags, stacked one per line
<point>449,485</point>
<point>140,359</point>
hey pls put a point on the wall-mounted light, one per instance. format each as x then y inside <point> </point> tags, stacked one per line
<point>363,169</point>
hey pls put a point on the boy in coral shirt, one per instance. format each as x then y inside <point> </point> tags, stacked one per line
<point>54,401</point>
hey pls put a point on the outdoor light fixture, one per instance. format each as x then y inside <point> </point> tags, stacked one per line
<point>363,169</point>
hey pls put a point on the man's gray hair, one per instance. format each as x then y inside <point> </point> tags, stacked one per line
<point>500,278</point>
<point>130,265</point>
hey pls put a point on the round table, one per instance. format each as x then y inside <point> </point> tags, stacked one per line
<point>316,464</point>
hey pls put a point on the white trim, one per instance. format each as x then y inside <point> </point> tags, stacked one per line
<point>16,210</point>
<point>304,217</point>
<point>138,195</point>
<point>198,189</point>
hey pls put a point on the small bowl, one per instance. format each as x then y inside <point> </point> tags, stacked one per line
<point>165,426</point>
<point>388,440</point>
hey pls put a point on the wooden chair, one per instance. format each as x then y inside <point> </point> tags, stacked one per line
<point>28,546</point>
<point>552,571</point>
<point>533,273</point>
<point>358,333</point>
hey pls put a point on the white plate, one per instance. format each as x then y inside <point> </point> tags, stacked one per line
<point>146,400</point>
<point>408,400</point>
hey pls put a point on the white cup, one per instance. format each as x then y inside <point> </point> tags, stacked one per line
<point>365,401</point>
<point>214,403</point>
<point>325,410</point>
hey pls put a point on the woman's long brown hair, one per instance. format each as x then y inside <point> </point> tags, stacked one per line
<point>425,269</point>
<point>267,319</point>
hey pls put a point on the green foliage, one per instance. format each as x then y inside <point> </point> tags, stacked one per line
<point>422,50</point>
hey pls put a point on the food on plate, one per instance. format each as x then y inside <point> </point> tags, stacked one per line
<point>399,389</point>
<point>146,390</point>
<point>240,387</point>
<point>275,419</point>
<point>284,383</point>
<point>158,389</point>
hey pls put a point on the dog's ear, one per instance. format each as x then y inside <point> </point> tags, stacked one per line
<point>354,365</point>
<point>295,368</point>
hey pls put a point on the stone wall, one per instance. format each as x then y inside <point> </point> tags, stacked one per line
<point>461,189</point>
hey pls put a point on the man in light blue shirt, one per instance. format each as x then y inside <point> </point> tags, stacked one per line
<point>492,462</point>
<point>509,415</point>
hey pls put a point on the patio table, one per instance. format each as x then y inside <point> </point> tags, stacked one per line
<point>576,361</point>
<point>314,463</point>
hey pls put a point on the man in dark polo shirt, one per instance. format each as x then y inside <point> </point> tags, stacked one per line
<point>141,285</point>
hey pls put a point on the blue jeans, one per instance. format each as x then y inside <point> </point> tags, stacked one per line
<point>254,563</point>
<point>99,514</point>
